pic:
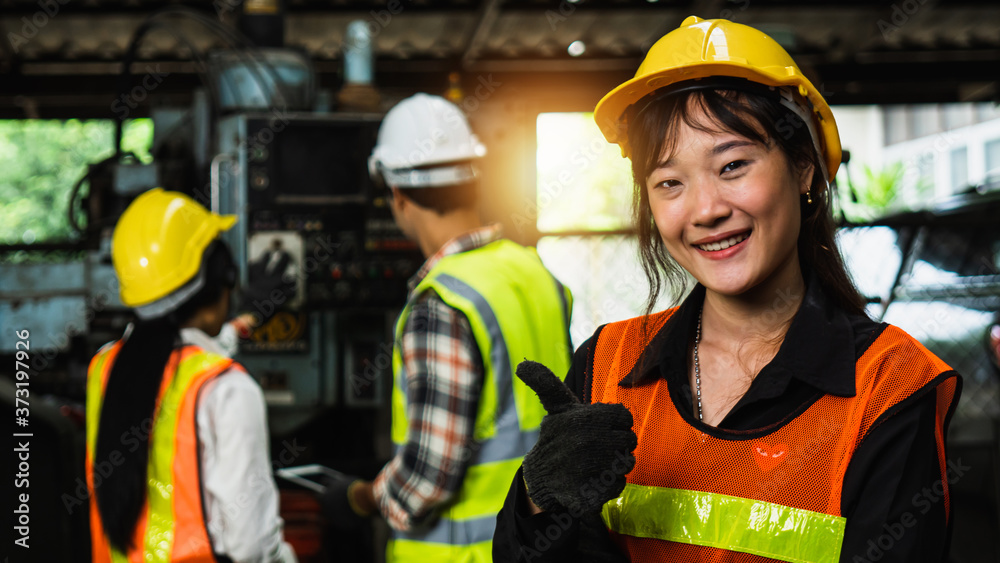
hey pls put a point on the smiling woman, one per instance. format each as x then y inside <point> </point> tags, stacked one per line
<point>734,119</point>
<point>771,419</point>
<point>727,209</point>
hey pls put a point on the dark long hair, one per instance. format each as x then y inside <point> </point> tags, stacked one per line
<point>758,117</point>
<point>127,413</point>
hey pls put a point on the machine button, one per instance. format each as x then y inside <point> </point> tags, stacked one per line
<point>342,290</point>
<point>258,154</point>
<point>259,179</point>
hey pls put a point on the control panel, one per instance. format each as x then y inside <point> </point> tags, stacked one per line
<point>322,261</point>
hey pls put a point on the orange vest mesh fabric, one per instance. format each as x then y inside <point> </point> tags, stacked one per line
<point>800,463</point>
<point>191,542</point>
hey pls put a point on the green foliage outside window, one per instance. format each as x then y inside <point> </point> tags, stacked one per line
<point>41,160</point>
<point>879,193</point>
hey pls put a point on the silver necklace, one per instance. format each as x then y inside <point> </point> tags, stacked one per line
<point>697,370</point>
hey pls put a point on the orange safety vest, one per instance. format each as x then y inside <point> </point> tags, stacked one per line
<point>772,494</point>
<point>171,526</point>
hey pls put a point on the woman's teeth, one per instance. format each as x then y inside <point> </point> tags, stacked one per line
<point>723,244</point>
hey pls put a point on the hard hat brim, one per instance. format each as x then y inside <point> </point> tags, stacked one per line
<point>610,111</point>
<point>225,222</point>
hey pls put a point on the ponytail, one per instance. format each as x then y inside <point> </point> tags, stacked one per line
<point>128,409</point>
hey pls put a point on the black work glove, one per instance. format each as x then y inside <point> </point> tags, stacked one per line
<point>265,294</point>
<point>338,509</point>
<point>583,451</point>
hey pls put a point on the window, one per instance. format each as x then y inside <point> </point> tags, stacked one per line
<point>925,119</point>
<point>986,111</point>
<point>895,125</point>
<point>41,160</point>
<point>956,115</point>
<point>959,169</point>
<point>993,161</point>
<point>583,182</point>
<point>923,187</point>
<point>872,256</point>
<point>585,191</point>
<point>604,275</point>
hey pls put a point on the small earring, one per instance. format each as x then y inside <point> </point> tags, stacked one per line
<point>809,196</point>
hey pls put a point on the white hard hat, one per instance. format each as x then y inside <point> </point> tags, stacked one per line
<point>425,141</point>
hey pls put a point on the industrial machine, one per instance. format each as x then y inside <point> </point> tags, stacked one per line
<point>323,267</point>
<point>311,221</point>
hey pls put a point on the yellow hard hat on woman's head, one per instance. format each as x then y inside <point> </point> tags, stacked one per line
<point>700,49</point>
<point>157,250</point>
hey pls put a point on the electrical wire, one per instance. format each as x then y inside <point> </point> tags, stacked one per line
<point>124,84</point>
<point>92,170</point>
<point>239,43</point>
<point>243,47</point>
<point>72,201</point>
<point>125,79</point>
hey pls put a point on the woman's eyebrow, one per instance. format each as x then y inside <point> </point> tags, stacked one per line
<point>664,163</point>
<point>721,148</point>
<point>716,150</point>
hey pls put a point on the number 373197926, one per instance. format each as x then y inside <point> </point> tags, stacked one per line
<point>21,357</point>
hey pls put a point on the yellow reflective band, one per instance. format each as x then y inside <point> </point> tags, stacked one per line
<point>95,398</point>
<point>479,496</point>
<point>118,557</point>
<point>160,473</point>
<point>160,490</point>
<point>408,551</point>
<point>726,522</point>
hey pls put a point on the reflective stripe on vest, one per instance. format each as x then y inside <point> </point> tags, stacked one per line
<point>749,526</point>
<point>171,526</point>
<point>516,310</point>
<point>773,494</point>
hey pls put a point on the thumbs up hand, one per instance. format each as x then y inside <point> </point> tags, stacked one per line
<point>583,451</point>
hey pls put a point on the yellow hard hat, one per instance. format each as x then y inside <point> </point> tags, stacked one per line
<point>707,48</point>
<point>158,243</point>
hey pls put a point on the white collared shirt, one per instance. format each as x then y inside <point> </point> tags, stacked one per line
<point>240,496</point>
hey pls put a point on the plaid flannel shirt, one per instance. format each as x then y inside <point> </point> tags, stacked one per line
<point>444,377</point>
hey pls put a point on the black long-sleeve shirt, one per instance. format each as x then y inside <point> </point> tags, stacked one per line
<point>891,492</point>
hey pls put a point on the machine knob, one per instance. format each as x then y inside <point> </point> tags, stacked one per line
<point>259,179</point>
<point>342,290</point>
<point>258,154</point>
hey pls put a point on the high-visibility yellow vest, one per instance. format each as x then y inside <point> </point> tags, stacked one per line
<point>517,310</point>
<point>171,526</point>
